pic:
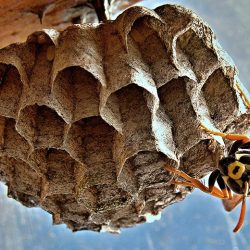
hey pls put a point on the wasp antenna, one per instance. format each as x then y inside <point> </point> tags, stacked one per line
<point>242,94</point>
<point>232,137</point>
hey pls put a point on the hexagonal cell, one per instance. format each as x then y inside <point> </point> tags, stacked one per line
<point>88,176</point>
<point>10,138</point>
<point>40,86</point>
<point>25,179</point>
<point>77,94</point>
<point>202,155</point>
<point>90,141</point>
<point>111,197</point>
<point>38,160</point>
<point>41,126</point>
<point>177,105</point>
<point>176,18</point>
<point>145,169</point>
<point>151,208</point>
<point>127,216</point>
<point>25,199</point>
<point>122,70</point>
<point>10,90</point>
<point>75,212</point>
<point>88,197</point>
<point>74,207</point>
<point>156,193</point>
<point>6,169</point>
<point>103,217</point>
<point>127,179</point>
<point>103,197</point>
<point>74,226</point>
<point>154,52</point>
<point>220,98</point>
<point>57,206</point>
<point>60,175</point>
<point>136,122</point>
<point>135,114</point>
<point>52,204</point>
<point>194,55</point>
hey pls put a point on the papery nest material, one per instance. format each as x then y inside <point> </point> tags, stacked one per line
<point>90,116</point>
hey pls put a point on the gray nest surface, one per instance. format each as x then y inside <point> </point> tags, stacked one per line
<point>90,116</point>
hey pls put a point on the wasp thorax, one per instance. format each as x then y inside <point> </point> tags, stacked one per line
<point>236,170</point>
<point>232,168</point>
<point>224,163</point>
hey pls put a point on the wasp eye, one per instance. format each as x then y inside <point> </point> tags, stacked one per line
<point>235,170</point>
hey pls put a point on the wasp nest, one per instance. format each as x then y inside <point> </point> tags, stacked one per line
<point>90,116</point>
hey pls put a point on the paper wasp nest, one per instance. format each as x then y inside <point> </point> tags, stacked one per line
<point>90,116</point>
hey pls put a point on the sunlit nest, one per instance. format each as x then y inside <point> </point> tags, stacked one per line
<point>89,119</point>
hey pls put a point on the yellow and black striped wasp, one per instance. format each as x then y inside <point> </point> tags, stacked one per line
<point>232,174</point>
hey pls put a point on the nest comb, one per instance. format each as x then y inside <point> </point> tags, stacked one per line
<point>89,116</point>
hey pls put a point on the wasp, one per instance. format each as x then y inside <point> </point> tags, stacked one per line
<point>232,173</point>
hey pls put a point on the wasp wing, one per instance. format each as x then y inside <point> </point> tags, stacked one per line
<point>230,204</point>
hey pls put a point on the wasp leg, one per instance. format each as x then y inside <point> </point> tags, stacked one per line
<point>212,179</point>
<point>192,182</point>
<point>216,192</point>
<point>216,176</point>
<point>231,203</point>
<point>223,186</point>
<point>229,193</point>
<point>245,100</point>
<point>233,137</point>
<point>243,209</point>
<point>183,183</point>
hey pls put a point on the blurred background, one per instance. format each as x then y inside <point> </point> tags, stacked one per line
<point>198,222</point>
